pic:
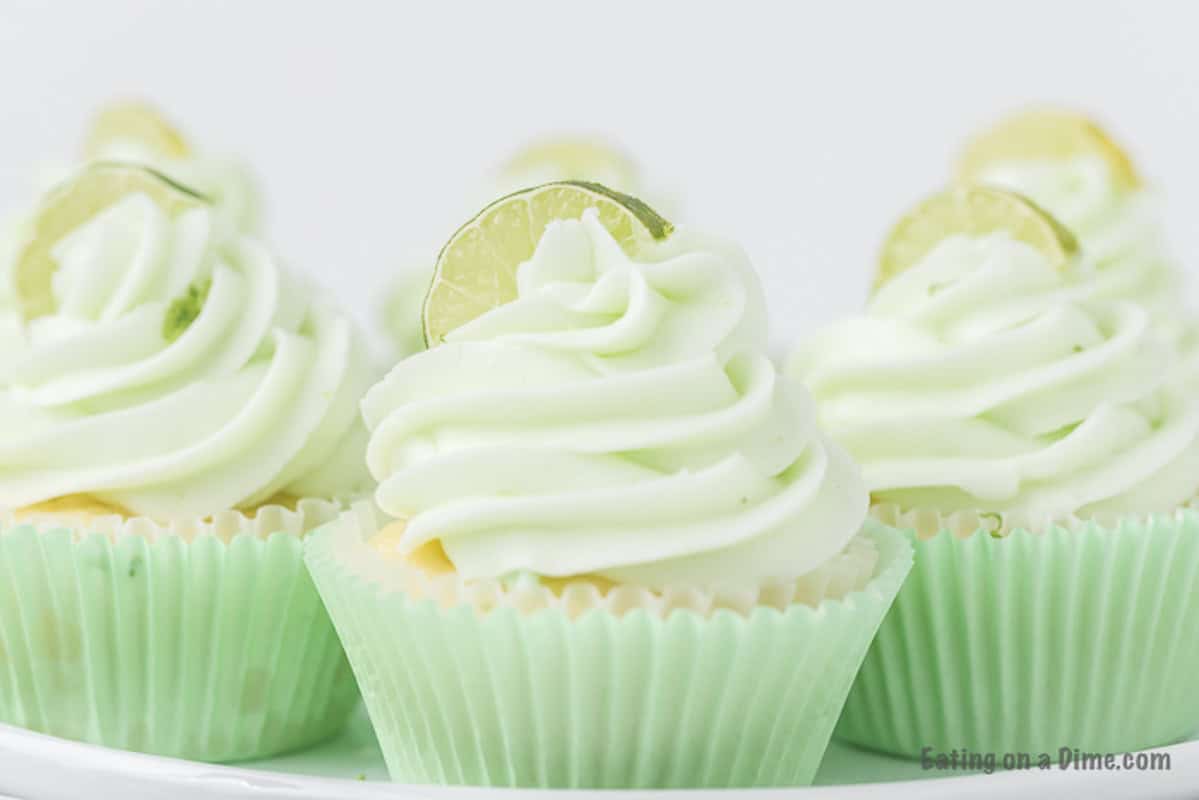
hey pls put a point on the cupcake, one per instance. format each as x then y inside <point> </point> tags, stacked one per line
<point>1070,166</point>
<point>617,550</point>
<point>1032,441</point>
<point>175,414</point>
<point>559,158</point>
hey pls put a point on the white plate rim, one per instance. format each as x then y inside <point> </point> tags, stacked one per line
<point>138,773</point>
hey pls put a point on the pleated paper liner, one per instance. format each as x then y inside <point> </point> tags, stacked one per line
<point>598,691</point>
<point>1081,635</point>
<point>199,639</point>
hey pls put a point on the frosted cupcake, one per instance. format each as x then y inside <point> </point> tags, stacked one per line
<point>1034,444</point>
<point>620,552</point>
<point>559,158</point>
<point>176,413</point>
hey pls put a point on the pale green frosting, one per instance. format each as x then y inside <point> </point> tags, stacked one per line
<point>1120,230</point>
<point>985,378</point>
<point>183,371</point>
<point>619,418</point>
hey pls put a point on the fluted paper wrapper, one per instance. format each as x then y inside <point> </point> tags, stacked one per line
<point>624,696</point>
<point>1079,635</point>
<point>200,639</point>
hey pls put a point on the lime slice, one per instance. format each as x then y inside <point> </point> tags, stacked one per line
<point>1045,135</point>
<point>571,158</point>
<point>135,122</point>
<point>972,211</point>
<point>476,270</point>
<point>72,204</point>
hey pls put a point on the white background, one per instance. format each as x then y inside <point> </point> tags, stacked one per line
<point>800,129</point>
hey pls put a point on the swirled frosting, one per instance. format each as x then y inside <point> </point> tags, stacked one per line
<point>620,419</point>
<point>1120,230</point>
<point>182,372</point>
<point>983,378</point>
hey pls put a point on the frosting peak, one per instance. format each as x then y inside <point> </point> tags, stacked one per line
<point>619,418</point>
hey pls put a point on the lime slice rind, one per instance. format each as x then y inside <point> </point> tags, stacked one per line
<point>156,174</point>
<point>658,227</point>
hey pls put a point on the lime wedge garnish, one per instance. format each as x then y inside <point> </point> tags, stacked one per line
<point>972,211</point>
<point>476,270</point>
<point>72,204</point>
<point>571,158</point>
<point>1045,135</point>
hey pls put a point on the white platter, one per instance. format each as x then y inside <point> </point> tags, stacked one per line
<point>37,767</point>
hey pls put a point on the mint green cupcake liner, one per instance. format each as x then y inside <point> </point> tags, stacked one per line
<point>1080,636</point>
<point>206,642</point>
<point>485,693</point>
